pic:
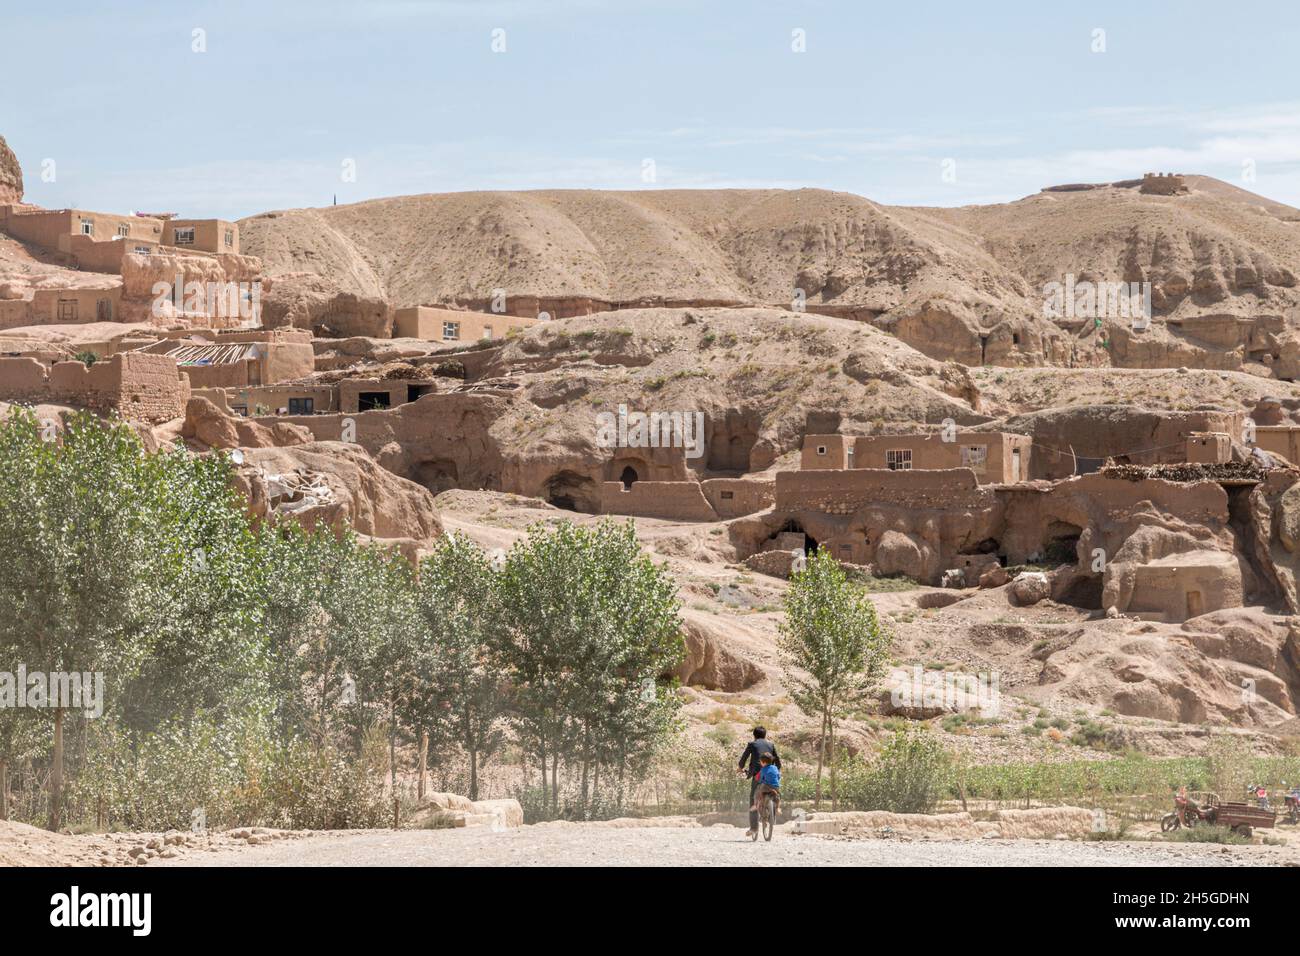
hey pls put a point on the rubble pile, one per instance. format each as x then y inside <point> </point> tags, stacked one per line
<point>1188,472</point>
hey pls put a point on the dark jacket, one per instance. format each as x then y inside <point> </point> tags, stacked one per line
<point>752,753</point>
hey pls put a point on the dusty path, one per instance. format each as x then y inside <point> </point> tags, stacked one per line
<point>577,845</point>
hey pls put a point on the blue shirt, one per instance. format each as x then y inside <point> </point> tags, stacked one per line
<point>770,776</point>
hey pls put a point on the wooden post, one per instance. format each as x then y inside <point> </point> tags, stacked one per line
<point>396,812</point>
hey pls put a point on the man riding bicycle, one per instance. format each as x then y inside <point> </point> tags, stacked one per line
<point>753,753</point>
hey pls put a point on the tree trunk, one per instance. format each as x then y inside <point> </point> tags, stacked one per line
<point>392,743</point>
<point>586,765</point>
<point>821,759</point>
<point>424,763</point>
<point>4,789</point>
<point>834,790</point>
<point>541,753</point>
<point>56,773</point>
<point>555,783</point>
<point>471,745</point>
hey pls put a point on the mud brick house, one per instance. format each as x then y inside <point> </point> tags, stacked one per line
<point>454,325</point>
<point>240,358</point>
<point>133,385</point>
<point>994,457</point>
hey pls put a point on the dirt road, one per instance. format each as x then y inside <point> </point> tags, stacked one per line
<point>586,845</point>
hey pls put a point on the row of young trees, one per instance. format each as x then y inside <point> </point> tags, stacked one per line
<point>146,569</point>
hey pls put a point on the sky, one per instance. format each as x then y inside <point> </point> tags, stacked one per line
<point>233,108</point>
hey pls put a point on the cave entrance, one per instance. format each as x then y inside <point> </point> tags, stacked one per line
<point>1084,592</point>
<point>810,543</point>
<point>573,492</point>
<point>438,476</point>
<point>629,477</point>
<point>1061,542</point>
<point>730,446</point>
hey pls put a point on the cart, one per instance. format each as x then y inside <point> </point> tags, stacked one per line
<point>1240,818</point>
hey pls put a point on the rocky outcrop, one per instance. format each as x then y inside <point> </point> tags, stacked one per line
<point>11,175</point>
<point>710,664</point>
<point>342,486</point>
<point>307,301</point>
<point>206,423</point>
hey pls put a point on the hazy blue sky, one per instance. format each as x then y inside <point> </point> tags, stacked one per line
<point>588,90</point>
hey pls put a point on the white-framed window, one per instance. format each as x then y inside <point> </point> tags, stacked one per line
<point>87,227</point>
<point>230,238</point>
<point>142,250</point>
<point>974,457</point>
<point>821,449</point>
<point>123,230</point>
<point>450,331</point>
<point>185,236</point>
<point>898,459</point>
<point>487,332</point>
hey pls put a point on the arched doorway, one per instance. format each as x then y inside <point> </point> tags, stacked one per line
<point>629,477</point>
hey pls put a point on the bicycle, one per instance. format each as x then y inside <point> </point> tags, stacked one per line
<point>766,817</point>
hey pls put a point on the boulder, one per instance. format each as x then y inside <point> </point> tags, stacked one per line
<point>899,554</point>
<point>1030,587</point>
<point>710,664</point>
<point>994,578</point>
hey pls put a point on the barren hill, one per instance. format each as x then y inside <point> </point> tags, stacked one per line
<point>958,284</point>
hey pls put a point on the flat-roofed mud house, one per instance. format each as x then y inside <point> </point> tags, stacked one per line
<point>454,326</point>
<point>994,457</point>
<point>239,358</point>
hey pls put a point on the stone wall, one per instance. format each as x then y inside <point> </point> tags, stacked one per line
<point>843,492</point>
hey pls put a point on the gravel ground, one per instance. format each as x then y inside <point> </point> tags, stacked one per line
<point>594,845</point>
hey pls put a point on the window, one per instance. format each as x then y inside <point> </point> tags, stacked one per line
<point>450,330</point>
<point>230,238</point>
<point>373,401</point>
<point>302,406</point>
<point>67,310</point>
<point>185,237</point>
<point>898,459</point>
<point>728,495</point>
<point>821,449</point>
<point>487,332</point>
<point>240,410</point>
<point>123,230</point>
<point>974,457</point>
<point>87,227</point>
<point>142,250</point>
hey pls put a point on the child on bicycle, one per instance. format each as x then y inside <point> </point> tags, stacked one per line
<point>769,781</point>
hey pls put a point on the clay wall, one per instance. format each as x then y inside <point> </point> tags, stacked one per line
<point>733,497</point>
<point>673,500</point>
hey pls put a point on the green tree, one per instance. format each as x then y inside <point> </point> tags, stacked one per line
<point>590,625</point>
<point>461,697</point>
<point>93,530</point>
<point>833,647</point>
